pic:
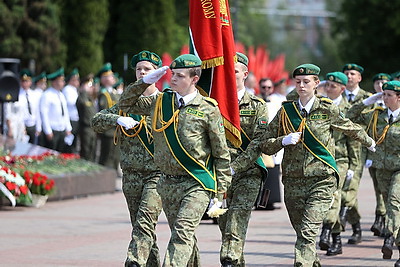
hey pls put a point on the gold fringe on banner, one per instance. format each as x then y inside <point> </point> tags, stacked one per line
<point>232,133</point>
<point>211,63</point>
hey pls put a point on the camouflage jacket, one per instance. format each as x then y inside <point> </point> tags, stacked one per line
<point>324,117</point>
<point>107,100</point>
<point>86,109</point>
<point>387,155</point>
<point>201,135</point>
<point>346,148</point>
<point>134,156</point>
<point>253,119</point>
<point>362,94</point>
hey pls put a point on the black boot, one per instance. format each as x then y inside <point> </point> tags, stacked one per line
<point>397,264</point>
<point>387,248</point>
<point>377,227</point>
<point>336,247</point>
<point>324,239</point>
<point>385,231</point>
<point>343,217</point>
<point>226,263</point>
<point>356,236</point>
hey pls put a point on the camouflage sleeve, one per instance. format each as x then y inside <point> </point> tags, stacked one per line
<point>102,102</point>
<point>262,120</point>
<point>353,153</point>
<point>355,113</point>
<point>259,144</point>
<point>131,102</point>
<point>219,150</point>
<point>105,119</point>
<point>345,125</point>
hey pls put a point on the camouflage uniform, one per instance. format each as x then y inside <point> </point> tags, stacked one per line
<point>349,193</point>
<point>309,183</point>
<point>242,193</point>
<point>109,154</point>
<point>386,161</point>
<point>184,199</point>
<point>88,137</point>
<point>139,181</point>
<point>347,158</point>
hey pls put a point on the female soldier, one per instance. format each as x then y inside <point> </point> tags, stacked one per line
<point>309,173</point>
<point>384,126</point>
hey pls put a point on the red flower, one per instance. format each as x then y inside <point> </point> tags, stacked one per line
<point>24,189</point>
<point>11,186</point>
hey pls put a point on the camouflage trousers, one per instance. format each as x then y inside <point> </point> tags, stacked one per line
<point>241,196</point>
<point>349,193</point>
<point>389,184</point>
<point>380,208</point>
<point>184,201</point>
<point>307,201</point>
<point>144,206</point>
<point>332,217</point>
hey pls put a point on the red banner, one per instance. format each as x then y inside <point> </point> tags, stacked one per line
<point>212,41</point>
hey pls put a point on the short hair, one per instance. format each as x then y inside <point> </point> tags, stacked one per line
<point>195,71</point>
<point>264,80</point>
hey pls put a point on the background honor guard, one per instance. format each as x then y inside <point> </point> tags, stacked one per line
<point>54,113</point>
<point>40,83</point>
<point>190,150</point>
<point>347,160</point>
<point>378,227</point>
<point>242,192</point>
<point>70,92</point>
<point>140,174</point>
<point>384,126</point>
<point>349,210</point>
<point>108,97</point>
<point>85,104</point>
<point>309,172</point>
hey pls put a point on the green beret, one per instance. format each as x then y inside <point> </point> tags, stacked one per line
<point>119,82</point>
<point>306,69</point>
<point>338,77</point>
<point>352,66</point>
<point>41,76</point>
<point>105,70</point>
<point>242,58</point>
<point>392,85</point>
<point>25,75</point>
<point>56,74</point>
<point>73,73</point>
<point>395,75</point>
<point>146,56</point>
<point>185,61</point>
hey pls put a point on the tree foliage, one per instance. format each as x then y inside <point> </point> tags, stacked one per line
<point>31,30</point>
<point>368,32</point>
<point>84,28</point>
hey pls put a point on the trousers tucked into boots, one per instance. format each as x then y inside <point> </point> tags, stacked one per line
<point>356,236</point>
<point>387,248</point>
<point>336,247</point>
<point>324,239</point>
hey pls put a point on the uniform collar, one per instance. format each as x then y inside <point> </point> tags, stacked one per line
<point>354,92</point>
<point>187,98</point>
<point>337,100</point>
<point>394,113</point>
<point>240,94</point>
<point>309,104</point>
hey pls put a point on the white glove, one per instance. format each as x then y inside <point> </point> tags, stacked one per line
<point>68,139</point>
<point>155,75</point>
<point>349,174</point>
<point>372,147</point>
<point>127,122</point>
<point>291,139</point>
<point>372,99</point>
<point>368,163</point>
<point>218,203</point>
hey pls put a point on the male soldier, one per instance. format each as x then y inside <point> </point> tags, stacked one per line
<point>30,103</point>
<point>140,175</point>
<point>54,113</point>
<point>349,210</point>
<point>40,82</point>
<point>378,227</point>
<point>190,150</point>
<point>347,160</point>
<point>107,98</point>
<point>242,192</point>
<point>70,92</point>
<point>86,110</point>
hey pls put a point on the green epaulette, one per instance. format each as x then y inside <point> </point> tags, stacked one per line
<point>211,100</point>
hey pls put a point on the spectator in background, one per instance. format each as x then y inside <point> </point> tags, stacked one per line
<point>70,92</point>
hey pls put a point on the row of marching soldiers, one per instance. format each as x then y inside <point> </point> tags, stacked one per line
<point>54,110</point>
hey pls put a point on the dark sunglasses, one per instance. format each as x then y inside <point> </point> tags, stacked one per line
<point>263,87</point>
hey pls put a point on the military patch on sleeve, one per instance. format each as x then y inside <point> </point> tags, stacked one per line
<point>195,112</point>
<point>247,112</point>
<point>319,117</point>
<point>221,126</point>
<point>263,121</point>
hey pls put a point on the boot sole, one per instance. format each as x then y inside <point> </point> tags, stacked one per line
<point>334,254</point>
<point>387,253</point>
<point>376,231</point>
<point>324,246</point>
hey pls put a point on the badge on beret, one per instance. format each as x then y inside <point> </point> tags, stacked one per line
<point>173,65</point>
<point>301,70</point>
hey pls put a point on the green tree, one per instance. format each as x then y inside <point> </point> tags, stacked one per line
<point>31,31</point>
<point>84,28</point>
<point>369,35</point>
<point>136,26</point>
